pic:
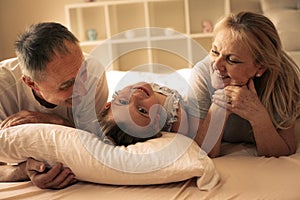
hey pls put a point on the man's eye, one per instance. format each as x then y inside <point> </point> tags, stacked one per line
<point>67,84</point>
<point>142,110</point>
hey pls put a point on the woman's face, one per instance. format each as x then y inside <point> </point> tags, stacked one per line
<point>132,105</point>
<point>232,63</point>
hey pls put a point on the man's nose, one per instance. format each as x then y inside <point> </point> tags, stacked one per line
<point>80,89</point>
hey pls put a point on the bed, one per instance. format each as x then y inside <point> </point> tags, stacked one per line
<point>238,174</point>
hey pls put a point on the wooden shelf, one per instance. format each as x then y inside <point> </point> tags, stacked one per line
<point>126,24</point>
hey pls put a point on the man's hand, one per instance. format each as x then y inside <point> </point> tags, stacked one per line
<point>57,177</point>
<point>25,116</point>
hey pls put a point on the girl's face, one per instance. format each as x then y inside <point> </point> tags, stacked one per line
<point>132,105</point>
<point>232,63</point>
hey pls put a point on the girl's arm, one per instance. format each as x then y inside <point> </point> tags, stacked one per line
<point>209,131</point>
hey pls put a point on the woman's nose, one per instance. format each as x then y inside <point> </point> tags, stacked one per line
<point>219,64</point>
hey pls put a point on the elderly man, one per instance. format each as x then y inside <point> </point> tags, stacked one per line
<point>37,87</point>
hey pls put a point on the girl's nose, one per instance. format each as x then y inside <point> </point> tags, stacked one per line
<point>134,96</point>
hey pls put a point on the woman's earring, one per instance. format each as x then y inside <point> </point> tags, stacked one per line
<point>258,75</point>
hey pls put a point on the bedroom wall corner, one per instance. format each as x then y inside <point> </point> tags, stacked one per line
<point>15,15</point>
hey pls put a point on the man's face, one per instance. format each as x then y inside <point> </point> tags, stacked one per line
<point>56,87</point>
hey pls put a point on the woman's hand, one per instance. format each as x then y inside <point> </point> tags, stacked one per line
<point>241,100</point>
<point>244,101</point>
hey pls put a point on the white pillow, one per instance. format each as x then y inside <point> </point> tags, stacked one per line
<point>171,158</point>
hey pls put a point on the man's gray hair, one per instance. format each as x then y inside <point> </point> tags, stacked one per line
<point>37,46</point>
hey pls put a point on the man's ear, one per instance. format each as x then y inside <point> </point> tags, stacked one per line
<point>28,81</point>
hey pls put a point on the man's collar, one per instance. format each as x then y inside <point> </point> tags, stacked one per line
<point>42,101</point>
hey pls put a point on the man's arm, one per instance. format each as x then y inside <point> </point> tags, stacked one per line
<point>56,177</point>
<point>25,117</point>
<point>13,172</point>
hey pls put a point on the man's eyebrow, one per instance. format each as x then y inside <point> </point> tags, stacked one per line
<point>67,83</point>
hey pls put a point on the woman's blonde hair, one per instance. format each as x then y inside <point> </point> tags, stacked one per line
<point>279,87</point>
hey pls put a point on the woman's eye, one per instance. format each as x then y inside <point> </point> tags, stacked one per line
<point>214,52</point>
<point>142,110</point>
<point>230,60</point>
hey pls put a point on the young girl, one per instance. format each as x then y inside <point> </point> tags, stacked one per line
<point>140,111</point>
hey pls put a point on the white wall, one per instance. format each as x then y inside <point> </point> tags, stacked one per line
<point>15,15</point>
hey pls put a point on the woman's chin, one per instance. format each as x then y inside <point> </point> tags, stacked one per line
<point>219,83</point>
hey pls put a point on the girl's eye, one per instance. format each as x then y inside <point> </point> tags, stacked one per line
<point>123,101</point>
<point>115,95</point>
<point>119,99</point>
<point>142,110</point>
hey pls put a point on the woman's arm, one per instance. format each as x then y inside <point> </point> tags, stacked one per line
<point>246,103</point>
<point>269,141</point>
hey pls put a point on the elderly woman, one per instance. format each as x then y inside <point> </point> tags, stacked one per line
<point>247,89</point>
